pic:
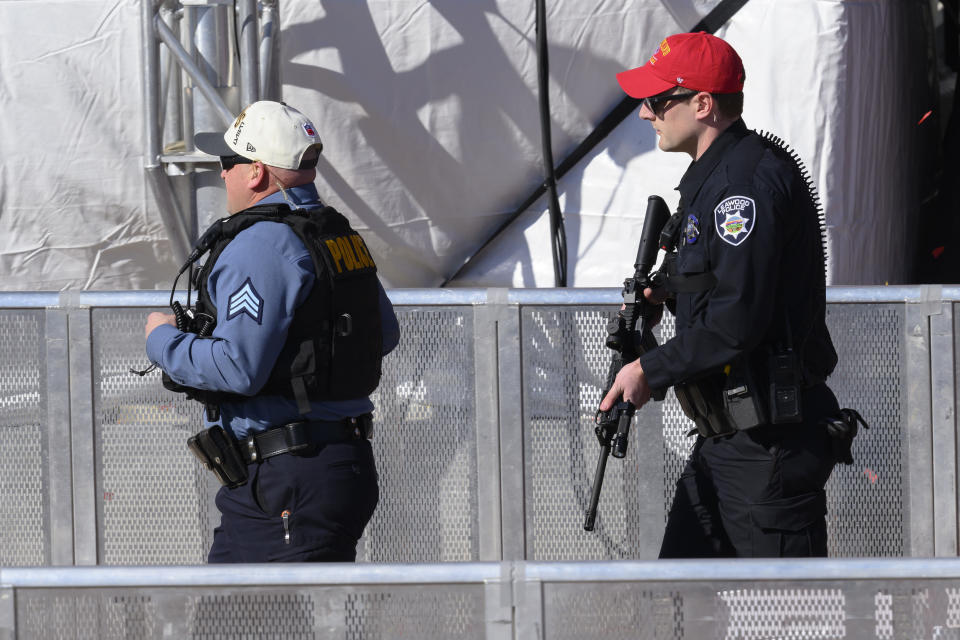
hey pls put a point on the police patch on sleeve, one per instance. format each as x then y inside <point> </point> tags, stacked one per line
<point>692,231</point>
<point>735,217</point>
<point>245,300</point>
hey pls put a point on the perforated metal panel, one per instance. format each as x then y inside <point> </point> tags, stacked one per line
<point>612,611</point>
<point>756,614</point>
<point>865,501</point>
<point>281,613</point>
<point>427,612</point>
<point>885,610</point>
<point>24,482</point>
<point>152,505</point>
<point>677,440</point>
<point>78,615</point>
<point>268,613</point>
<point>565,364</point>
<point>154,501</point>
<point>425,442</point>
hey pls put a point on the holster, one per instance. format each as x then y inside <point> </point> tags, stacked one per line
<point>219,452</point>
<point>843,429</point>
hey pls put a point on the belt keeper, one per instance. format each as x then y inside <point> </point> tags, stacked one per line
<point>252,448</point>
<point>294,434</point>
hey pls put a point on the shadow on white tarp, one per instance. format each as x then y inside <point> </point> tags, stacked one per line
<point>429,117</point>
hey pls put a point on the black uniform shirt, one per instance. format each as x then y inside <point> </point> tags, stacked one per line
<point>750,222</point>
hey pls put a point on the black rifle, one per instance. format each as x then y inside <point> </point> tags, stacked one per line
<point>630,335</point>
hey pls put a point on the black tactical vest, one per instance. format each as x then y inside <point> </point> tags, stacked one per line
<point>334,344</point>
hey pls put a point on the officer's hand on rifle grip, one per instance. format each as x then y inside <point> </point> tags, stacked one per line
<point>631,385</point>
<point>655,297</point>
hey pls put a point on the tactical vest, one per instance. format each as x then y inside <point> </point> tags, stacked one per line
<point>334,344</point>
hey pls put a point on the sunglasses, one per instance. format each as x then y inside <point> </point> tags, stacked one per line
<point>229,162</point>
<point>658,103</point>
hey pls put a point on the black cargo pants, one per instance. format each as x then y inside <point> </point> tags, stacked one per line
<point>756,493</point>
<point>309,507</point>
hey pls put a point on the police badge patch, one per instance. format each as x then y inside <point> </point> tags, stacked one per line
<point>692,231</point>
<point>735,218</point>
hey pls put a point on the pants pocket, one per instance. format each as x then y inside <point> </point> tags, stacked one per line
<point>792,527</point>
<point>272,489</point>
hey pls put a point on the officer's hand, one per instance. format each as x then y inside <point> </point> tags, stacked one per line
<point>156,319</point>
<point>655,297</point>
<point>631,384</point>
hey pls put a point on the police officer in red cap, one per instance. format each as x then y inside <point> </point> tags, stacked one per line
<point>746,281</point>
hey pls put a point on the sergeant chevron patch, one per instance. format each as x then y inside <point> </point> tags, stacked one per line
<point>245,300</point>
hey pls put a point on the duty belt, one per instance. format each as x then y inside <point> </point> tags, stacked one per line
<point>297,436</point>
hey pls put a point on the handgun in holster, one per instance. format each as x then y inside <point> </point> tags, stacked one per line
<point>843,429</point>
<point>218,451</point>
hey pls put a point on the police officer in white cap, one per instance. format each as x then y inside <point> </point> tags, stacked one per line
<point>300,325</point>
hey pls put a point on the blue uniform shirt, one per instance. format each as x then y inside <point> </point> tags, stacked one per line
<point>266,273</point>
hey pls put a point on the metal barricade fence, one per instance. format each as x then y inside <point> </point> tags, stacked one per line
<point>886,599</point>
<point>483,433</point>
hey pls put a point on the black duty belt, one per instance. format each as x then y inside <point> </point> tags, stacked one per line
<point>297,436</point>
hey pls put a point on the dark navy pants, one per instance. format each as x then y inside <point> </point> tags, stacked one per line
<point>328,494</point>
<point>756,493</point>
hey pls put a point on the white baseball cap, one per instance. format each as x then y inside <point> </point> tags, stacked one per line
<point>268,132</point>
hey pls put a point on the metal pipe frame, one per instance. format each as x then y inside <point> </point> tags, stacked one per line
<point>519,599</point>
<point>269,30</point>
<point>249,55</point>
<point>193,70</point>
<point>170,211</point>
<point>913,294</point>
<point>159,96</point>
<point>753,570</point>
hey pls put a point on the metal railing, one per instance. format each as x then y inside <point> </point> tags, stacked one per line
<point>816,598</point>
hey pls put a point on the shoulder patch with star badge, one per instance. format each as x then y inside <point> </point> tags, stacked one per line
<point>735,217</point>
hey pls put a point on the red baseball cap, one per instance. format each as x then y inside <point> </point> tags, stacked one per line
<point>697,61</point>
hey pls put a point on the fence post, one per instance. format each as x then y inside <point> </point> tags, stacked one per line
<point>943,422</point>
<point>510,385</point>
<point>498,603</point>
<point>528,596</point>
<point>83,455</point>
<point>58,435</point>
<point>8,613</point>
<point>918,438</point>
<point>487,390</point>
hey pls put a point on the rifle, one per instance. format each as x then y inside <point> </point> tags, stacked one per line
<point>629,335</point>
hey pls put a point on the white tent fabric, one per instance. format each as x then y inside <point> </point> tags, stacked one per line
<point>75,211</point>
<point>428,111</point>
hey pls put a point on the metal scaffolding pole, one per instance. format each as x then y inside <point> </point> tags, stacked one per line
<point>249,56</point>
<point>223,63</point>
<point>269,42</point>
<point>170,211</point>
